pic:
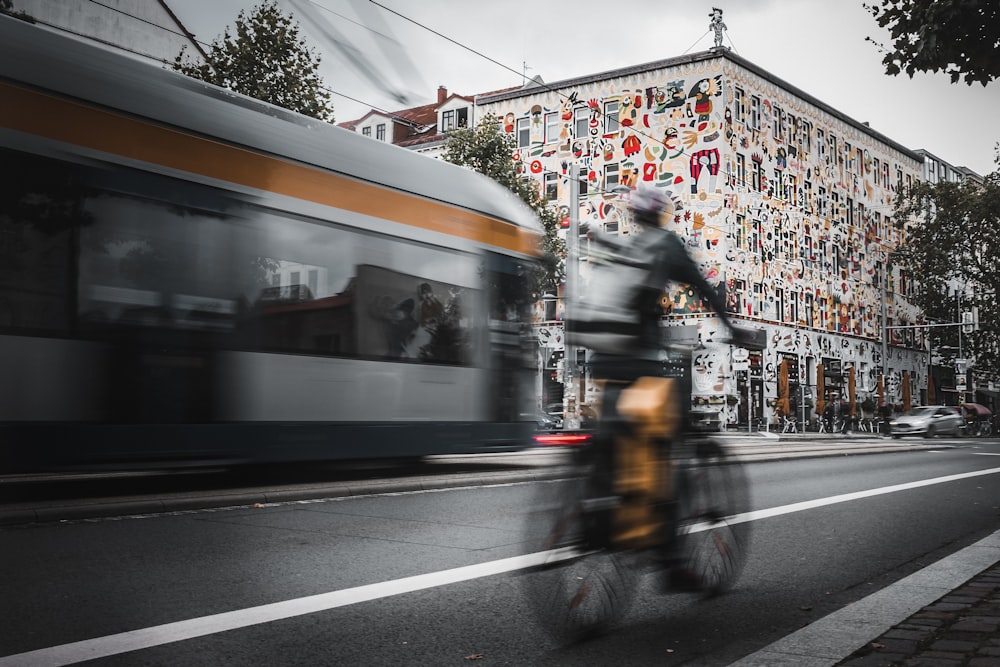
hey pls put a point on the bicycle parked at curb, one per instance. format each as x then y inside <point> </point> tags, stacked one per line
<point>584,582</point>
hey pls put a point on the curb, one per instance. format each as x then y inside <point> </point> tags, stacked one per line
<point>106,508</point>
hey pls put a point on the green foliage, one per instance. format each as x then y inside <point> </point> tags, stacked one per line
<point>266,58</point>
<point>489,150</point>
<point>954,238</point>
<point>958,37</point>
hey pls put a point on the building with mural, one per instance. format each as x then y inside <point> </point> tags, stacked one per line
<point>782,199</point>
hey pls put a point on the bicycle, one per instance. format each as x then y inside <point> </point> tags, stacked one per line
<point>583,583</point>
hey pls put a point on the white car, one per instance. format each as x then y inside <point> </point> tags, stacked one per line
<point>928,421</point>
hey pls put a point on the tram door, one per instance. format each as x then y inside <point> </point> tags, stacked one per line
<point>160,376</point>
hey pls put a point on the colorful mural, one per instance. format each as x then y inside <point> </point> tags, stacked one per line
<point>781,200</point>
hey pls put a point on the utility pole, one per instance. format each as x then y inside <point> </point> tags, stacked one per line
<point>885,328</point>
<point>571,401</point>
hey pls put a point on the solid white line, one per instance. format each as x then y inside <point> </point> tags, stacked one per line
<point>857,495</point>
<point>124,642</point>
<point>135,640</point>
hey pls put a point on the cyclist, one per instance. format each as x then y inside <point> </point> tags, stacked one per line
<point>642,411</point>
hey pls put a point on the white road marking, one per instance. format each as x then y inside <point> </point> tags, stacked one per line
<point>100,647</point>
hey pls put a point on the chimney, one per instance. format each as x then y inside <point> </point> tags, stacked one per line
<point>442,94</point>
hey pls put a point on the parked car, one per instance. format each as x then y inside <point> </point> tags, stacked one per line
<point>928,421</point>
<point>543,421</point>
<point>555,411</point>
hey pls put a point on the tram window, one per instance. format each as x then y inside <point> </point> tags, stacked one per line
<point>39,206</point>
<point>272,280</point>
<point>368,295</point>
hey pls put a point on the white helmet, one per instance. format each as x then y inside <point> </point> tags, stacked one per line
<point>650,203</point>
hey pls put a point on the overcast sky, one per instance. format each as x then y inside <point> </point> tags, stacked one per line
<point>816,45</point>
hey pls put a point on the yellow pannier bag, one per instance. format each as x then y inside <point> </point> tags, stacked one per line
<point>642,469</point>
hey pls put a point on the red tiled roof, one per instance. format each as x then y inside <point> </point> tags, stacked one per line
<point>407,123</point>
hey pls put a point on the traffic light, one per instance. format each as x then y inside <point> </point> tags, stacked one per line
<point>969,322</point>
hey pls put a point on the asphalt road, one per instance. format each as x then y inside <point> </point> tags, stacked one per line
<point>425,577</point>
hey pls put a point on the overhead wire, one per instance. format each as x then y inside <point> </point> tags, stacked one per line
<point>727,173</point>
<point>564,96</point>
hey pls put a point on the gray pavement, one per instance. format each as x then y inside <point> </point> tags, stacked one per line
<point>947,614</point>
<point>524,466</point>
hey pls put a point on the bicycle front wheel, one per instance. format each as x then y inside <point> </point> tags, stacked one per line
<point>580,586</point>
<point>715,492</point>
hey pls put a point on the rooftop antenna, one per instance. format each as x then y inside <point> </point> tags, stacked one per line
<point>524,70</point>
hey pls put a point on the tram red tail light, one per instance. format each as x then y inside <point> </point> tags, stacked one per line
<point>562,439</point>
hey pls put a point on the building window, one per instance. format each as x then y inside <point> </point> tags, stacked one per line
<point>611,116</point>
<point>739,114</point>
<point>380,131</point>
<point>821,201</point>
<point>454,118</point>
<point>367,131</point>
<point>810,314</point>
<point>779,123</point>
<point>741,231</point>
<point>611,177</point>
<point>754,112</point>
<point>741,169</point>
<point>551,180</point>
<point>737,288</point>
<point>581,122</point>
<point>551,127</point>
<point>523,132</point>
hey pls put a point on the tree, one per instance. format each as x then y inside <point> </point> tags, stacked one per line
<point>267,59</point>
<point>954,238</point>
<point>958,37</point>
<point>488,150</point>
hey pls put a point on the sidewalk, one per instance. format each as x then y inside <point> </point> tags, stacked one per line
<point>945,615</point>
<point>960,628</point>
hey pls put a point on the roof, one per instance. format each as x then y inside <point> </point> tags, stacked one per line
<point>415,117</point>
<point>700,56</point>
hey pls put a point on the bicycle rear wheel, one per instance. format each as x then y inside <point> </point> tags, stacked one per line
<point>714,492</point>
<point>580,587</point>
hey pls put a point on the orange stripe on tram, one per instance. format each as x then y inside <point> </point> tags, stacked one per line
<point>44,115</point>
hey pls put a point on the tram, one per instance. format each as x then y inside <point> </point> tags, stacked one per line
<point>190,276</point>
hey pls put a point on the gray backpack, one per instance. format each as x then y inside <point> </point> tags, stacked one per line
<point>604,317</point>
